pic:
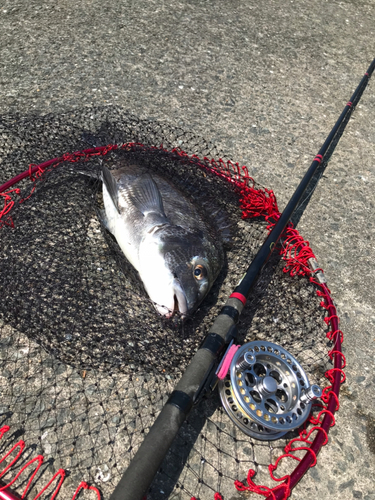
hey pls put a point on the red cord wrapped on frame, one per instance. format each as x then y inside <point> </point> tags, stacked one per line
<point>58,477</point>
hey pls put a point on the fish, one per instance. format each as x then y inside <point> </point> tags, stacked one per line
<point>176,250</point>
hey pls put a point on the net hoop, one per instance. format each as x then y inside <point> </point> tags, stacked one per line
<point>296,252</point>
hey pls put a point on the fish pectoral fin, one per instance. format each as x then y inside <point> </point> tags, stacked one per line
<point>111,185</point>
<point>146,196</point>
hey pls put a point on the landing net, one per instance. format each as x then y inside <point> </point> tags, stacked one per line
<point>86,361</point>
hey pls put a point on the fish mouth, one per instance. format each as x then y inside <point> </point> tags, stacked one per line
<point>180,300</point>
<point>177,303</point>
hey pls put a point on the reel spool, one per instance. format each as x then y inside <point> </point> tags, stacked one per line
<point>266,392</point>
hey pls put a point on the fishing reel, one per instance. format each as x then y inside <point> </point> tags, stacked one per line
<point>266,392</point>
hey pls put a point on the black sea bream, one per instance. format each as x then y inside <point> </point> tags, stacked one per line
<point>176,251</point>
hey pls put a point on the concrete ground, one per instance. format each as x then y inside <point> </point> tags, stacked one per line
<point>265,81</point>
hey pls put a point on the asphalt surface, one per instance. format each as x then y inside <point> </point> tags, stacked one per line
<point>265,82</point>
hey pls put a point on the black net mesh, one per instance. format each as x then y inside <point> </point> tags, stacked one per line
<point>86,361</point>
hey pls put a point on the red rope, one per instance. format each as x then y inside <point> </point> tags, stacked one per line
<point>331,353</point>
<point>20,445</point>
<point>296,252</point>
<point>8,205</point>
<point>261,490</point>
<point>308,434</point>
<point>332,334</point>
<point>257,202</point>
<point>327,394</point>
<point>85,486</point>
<point>60,474</point>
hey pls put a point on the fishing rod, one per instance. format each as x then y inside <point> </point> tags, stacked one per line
<point>199,376</point>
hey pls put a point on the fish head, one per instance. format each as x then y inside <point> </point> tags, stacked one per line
<point>182,266</point>
<point>193,280</point>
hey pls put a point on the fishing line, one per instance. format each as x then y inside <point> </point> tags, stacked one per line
<point>304,201</point>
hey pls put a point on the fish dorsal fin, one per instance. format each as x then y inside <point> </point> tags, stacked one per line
<point>146,195</point>
<point>111,185</point>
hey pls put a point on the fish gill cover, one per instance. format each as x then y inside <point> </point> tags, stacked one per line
<point>87,362</point>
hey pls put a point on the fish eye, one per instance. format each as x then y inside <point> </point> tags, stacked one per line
<point>199,272</point>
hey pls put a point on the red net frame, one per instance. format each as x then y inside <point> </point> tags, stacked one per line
<point>254,202</point>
